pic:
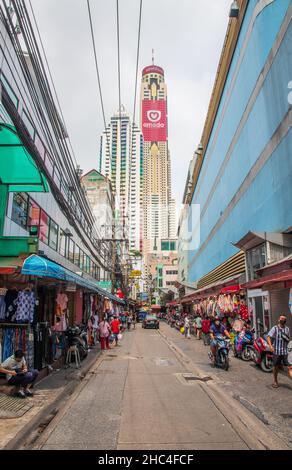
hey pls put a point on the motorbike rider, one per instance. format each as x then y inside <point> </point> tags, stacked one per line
<point>217,329</point>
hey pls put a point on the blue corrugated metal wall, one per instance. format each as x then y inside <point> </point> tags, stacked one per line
<point>266,205</point>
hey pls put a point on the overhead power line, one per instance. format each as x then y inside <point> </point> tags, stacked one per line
<point>51,77</point>
<point>137,60</point>
<point>98,76</point>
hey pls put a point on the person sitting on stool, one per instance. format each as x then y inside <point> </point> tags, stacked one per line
<point>17,374</point>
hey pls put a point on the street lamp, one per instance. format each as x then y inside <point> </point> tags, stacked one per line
<point>234,10</point>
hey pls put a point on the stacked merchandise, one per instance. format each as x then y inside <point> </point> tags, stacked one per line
<point>17,337</point>
<point>223,305</point>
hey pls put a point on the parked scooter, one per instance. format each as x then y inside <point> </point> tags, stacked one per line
<point>243,345</point>
<point>262,355</point>
<point>221,358</point>
<point>78,337</point>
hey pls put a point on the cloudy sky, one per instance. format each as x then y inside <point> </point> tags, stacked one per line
<point>187,36</point>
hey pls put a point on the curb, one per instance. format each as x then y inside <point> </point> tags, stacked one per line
<point>248,426</point>
<point>47,414</point>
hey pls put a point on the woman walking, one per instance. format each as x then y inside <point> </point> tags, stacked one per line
<point>104,332</point>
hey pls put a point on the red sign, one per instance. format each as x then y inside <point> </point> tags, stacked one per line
<point>154,125</point>
<point>152,69</point>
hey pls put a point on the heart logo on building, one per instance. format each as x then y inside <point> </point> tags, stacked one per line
<point>153,115</point>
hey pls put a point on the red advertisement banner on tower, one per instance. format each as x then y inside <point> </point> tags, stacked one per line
<point>154,125</point>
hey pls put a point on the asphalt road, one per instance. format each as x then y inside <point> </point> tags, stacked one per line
<point>137,398</point>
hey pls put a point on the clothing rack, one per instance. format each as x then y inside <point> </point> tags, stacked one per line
<point>16,325</point>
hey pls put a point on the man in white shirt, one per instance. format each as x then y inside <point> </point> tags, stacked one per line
<point>17,374</point>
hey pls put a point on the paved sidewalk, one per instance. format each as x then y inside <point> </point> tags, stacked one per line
<point>246,382</point>
<point>49,393</point>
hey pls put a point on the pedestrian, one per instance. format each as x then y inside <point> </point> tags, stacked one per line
<point>281,335</point>
<point>18,375</point>
<point>104,332</point>
<point>206,324</point>
<point>198,322</point>
<point>187,327</point>
<point>115,327</point>
<point>134,320</point>
<point>129,320</point>
<point>95,325</point>
<point>124,320</point>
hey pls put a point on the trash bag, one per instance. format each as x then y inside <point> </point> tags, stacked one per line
<point>120,336</point>
<point>182,330</point>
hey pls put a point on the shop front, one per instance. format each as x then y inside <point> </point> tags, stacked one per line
<point>38,302</point>
<point>260,310</point>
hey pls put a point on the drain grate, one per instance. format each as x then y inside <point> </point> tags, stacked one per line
<point>195,377</point>
<point>189,378</point>
<point>12,407</point>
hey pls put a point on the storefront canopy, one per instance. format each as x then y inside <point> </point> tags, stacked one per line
<point>17,167</point>
<point>38,266</point>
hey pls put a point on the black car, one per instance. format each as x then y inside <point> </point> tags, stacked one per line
<point>150,321</point>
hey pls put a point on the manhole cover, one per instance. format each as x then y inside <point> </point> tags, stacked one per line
<point>12,407</point>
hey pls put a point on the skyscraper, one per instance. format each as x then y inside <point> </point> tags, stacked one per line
<point>159,207</point>
<point>121,160</point>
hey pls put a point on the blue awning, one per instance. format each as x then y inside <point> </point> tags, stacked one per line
<point>36,265</point>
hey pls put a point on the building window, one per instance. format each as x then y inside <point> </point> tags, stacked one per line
<point>256,259</point>
<point>82,256</point>
<point>77,255</point>
<point>34,213</point>
<point>165,246</point>
<point>28,124</point>
<point>71,250</point>
<point>44,227</point>
<point>20,209</point>
<point>10,92</point>
<point>53,235</point>
<point>62,244</point>
<point>87,264</point>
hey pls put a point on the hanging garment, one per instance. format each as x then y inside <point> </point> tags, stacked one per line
<point>62,301</point>
<point>11,304</point>
<point>2,307</point>
<point>25,307</point>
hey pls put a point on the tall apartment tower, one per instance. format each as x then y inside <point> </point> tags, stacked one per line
<point>159,207</point>
<point>121,160</point>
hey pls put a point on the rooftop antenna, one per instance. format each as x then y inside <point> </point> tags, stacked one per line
<point>152,56</point>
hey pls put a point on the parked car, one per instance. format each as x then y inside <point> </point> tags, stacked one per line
<point>150,321</point>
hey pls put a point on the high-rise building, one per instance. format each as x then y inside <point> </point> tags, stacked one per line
<point>159,207</point>
<point>121,160</point>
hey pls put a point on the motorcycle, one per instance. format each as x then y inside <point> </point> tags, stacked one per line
<point>262,355</point>
<point>78,337</point>
<point>243,345</point>
<point>221,358</point>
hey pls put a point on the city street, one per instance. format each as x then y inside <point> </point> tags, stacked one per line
<point>138,398</point>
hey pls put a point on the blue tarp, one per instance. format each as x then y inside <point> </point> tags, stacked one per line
<point>38,266</point>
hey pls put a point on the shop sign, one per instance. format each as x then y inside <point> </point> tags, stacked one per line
<point>71,287</point>
<point>135,273</point>
<point>107,285</point>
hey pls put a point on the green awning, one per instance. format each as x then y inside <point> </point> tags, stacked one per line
<point>18,169</point>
